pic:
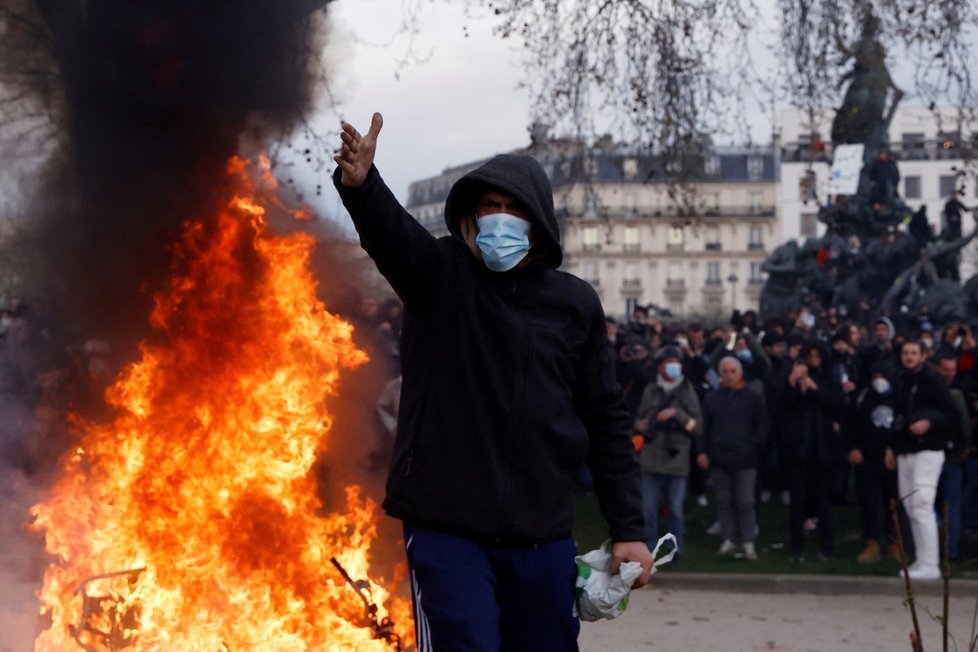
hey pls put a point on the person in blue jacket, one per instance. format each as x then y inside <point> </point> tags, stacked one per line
<point>508,388</point>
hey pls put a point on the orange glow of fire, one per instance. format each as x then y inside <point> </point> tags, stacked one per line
<point>201,486</point>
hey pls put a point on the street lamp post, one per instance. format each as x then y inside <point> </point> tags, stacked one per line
<point>732,279</point>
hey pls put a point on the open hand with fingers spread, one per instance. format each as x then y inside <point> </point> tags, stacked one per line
<point>356,155</point>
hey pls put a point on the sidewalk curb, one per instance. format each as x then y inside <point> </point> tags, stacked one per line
<point>808,584</point>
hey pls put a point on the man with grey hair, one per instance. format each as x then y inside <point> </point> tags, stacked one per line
<point>735,423</point>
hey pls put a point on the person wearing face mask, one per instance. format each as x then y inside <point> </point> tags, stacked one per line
<point>508,388</point>
<point>875,417</point>
<point>670,417</point>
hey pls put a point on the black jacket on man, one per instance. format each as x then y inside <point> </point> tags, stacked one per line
<point>509,381</point>
<point>808,429</point>
<point>735,423</point>
<point>923,395</point>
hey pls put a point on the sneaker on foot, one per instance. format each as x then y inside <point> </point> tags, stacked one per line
<point>750,552</point>
<point>811,524</point>
<point>701,500</point>
<point>715,530</point>
<point>785,498</point>
<point>924,573</point>
<point>765,497</point>
<point>727,547</point>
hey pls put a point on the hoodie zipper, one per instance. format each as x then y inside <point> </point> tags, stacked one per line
<point>519,431</point>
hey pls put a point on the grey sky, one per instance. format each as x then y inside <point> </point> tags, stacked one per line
<point>460,103</point>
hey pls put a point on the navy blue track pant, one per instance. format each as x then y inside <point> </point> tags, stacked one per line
<point>470,597</point>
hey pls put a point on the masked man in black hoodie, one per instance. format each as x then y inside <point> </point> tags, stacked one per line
<point>509,386</point>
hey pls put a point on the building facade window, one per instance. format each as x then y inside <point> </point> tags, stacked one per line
<point>808,186</point>
<point>711,166</point>
<point>756,237</point>
<point>591,205</point>
<point>948,185</point>
<point>631,241</point>
<point>756,274</point>
<point>713,238</point>
<point>911,187</point>
<point>755,168</point>
<point>754,202</point>
<point>711,202</point>
<point>675,278</point>
<point>676,238</point>
<point>631,279</point>
<point>631,204</point>
<point>808,224</point>
<point>913,147</point>
<point>629,168</point>
<point>591,238</point>
<point>590,272</point>
<point>713,273</point>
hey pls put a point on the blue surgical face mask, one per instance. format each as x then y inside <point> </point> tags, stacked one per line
<point>745,355</point>
<point>503,240</point>
<point>673,371</point>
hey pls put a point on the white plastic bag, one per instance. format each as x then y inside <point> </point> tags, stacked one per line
<point>603,595</point>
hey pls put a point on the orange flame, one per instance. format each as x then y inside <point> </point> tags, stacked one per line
<point>195,510</point>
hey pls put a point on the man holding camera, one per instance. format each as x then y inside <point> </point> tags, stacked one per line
<point>669,419</point>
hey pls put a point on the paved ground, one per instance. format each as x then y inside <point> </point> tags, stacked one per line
<point>681,612</point>
<point>798,614</point>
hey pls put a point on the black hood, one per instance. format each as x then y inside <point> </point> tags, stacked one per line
<point>523,178</point>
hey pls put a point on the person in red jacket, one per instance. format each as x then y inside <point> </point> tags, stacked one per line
<point>508,388</point>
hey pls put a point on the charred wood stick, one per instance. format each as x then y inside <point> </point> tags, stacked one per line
<point>915,640</point>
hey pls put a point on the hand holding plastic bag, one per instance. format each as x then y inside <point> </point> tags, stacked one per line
<point>603,595</point>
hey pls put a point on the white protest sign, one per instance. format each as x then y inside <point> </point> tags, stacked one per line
<point>846,166</point>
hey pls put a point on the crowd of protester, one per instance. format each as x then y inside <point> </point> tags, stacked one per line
<point>802,413</point>
<point>791,410</point>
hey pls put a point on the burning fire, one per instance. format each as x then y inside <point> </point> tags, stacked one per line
<point>191,521</point>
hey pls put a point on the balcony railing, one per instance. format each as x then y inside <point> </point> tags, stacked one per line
<point>675,283</point>
<point>910,150</point>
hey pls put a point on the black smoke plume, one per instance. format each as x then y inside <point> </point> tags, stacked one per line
<point>149,99</point>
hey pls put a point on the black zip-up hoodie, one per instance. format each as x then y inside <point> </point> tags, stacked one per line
<point>509,380</point>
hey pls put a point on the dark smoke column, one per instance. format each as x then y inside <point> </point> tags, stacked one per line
<point>155,96</point>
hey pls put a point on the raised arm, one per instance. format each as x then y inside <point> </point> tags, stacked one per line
<point>405,253</point>
<point>356,155</point>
